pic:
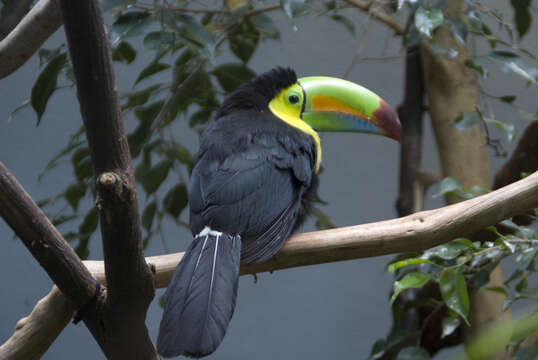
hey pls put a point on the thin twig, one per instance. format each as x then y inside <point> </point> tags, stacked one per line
<point>378,14</point>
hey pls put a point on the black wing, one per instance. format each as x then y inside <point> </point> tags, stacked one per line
<point>251,182</point>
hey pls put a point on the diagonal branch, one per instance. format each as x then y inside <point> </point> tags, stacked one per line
<point>28,36</point>
<point>11,13</point>
<point>412,233</point>
<point>43,240</point>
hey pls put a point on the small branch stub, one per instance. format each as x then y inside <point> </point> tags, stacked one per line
<point>109,184</point>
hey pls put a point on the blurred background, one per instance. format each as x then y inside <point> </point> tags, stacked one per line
<point>326,311</point>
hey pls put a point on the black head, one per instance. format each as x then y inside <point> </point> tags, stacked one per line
<point>256,93</point>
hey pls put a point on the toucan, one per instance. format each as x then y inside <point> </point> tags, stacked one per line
<point>252,186</point>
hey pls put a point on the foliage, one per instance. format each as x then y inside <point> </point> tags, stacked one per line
<point>186,43</point>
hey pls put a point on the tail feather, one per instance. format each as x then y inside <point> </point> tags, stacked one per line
<point>200,299</point>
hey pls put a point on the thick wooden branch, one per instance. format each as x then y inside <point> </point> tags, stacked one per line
<point>412,233</point>
<point>28,36</point>
<point>43,240</point>
<point>11,14</point>
<point>35,333</point>
<point>130,287</point>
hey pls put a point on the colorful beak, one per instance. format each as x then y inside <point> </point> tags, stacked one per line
<point>333,104</point>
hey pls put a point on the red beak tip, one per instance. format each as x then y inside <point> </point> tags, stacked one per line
<point>389,121</point>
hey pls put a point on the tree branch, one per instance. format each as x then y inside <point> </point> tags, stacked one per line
<point>130,287</point>
<point>378,14</point>
<point>35,333</point>
<point>412,233</point>
<point>411,194</point>
<point>43,240</point>
<point>28,36</point>
<point>11,13</point>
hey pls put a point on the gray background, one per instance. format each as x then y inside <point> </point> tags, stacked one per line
<point>317,312</point>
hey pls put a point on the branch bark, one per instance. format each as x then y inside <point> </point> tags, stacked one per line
<point>412,233</point>
<point>43,240</point>
<point>130,287</point>
<point>28,36</point>
<point>11,13</point>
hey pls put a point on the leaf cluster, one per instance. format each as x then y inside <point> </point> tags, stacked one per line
<point>457,269</point>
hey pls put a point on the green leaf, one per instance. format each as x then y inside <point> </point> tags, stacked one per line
<point>292,7</point>
<point>413,353</point>
<point>244,40</point>
<point>525,258</point>
<point>196,35</point>
<point>124,52</point>
<point>84,170</point>
<point>322,220</point>
<point>412,280</point>
<point>449,325</point>
<point>230,76</point>
<point>74,193</point>
<point>407,262</point>
<point>512,63</point>
<point>149,215</point>
<point>140,97</point>
<point>74,142</point>
<point>159,40</point>
<point>348,24</point>
<point>200,117</point>
<point>448,251</point>
<point>46,85</point>
<point>426,21</point>
<point>59,220</point>
<point>454,291</point>
<point>141,135</point>
<point>477,68</point>
<point>522,16</point>
<point>265,26</point>
<point>182,154</point>
<point>70,236</point>
<point>152,69</point>
<point>508,99</point>
<point>176,200</point>
<point>46,55</point>
<point>131,24</point>
<point>509,129</point>
<point>155,176</point>
<point>449,186</point>
<point>466,120</point>
<point>80,155</point>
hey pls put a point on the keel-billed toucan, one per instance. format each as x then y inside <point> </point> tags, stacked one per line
<point>252,186</point>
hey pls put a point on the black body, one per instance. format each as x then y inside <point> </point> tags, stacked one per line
<point>254,181</point>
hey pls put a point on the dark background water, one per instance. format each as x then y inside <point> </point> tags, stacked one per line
<point>317,312</point>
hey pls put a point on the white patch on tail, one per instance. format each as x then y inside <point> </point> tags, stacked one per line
<point>208,231</point>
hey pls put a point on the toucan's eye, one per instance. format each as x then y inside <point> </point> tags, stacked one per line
<point>293,99</point>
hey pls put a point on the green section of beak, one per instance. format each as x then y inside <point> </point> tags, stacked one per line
<point>333,104</point>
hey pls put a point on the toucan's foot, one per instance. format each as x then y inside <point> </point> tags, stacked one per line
<point>81,313</point>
